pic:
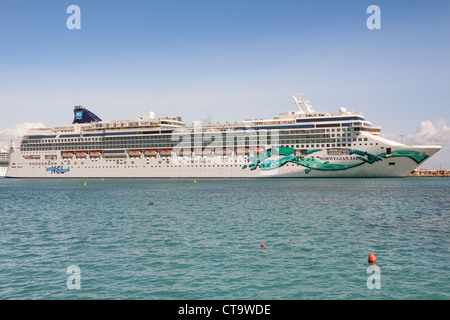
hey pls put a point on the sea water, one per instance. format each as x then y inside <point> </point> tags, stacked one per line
<point>186,239</point>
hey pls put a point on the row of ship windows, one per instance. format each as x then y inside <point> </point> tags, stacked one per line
<point>129,140</point>
<point>323,145</point>
<point>158,166</point>
<point>28,147</point>
<point>174,143</point>
<point>176,137</point>
<point>328,142</point>
<point>169,138</point>
<point>189,163</point>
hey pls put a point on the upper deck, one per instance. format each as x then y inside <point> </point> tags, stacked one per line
<point>87,124</point>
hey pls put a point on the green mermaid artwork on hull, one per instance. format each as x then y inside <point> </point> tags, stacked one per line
<point>287,155</point>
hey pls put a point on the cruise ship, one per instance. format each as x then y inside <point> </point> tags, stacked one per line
<point>301,143</point>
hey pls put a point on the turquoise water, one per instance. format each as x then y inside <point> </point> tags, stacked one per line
<point>176,239</point>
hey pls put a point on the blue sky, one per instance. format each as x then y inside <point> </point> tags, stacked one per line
<point>226,60</point>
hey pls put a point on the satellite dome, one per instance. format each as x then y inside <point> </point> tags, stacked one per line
<point>342,110</point>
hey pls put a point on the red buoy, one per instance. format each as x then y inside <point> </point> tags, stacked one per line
<point>372,258</point>
<point>262,245</point>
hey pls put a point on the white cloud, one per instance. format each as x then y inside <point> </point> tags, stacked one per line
<point>18,130</point>
<point>429,133</point>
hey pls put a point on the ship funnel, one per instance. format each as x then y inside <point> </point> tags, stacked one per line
<point>83,115</point>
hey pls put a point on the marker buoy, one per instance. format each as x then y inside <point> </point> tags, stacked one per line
<point>372,258</point>
<point>195,181</point>
<point>262,245</point>
<point>85,183</point>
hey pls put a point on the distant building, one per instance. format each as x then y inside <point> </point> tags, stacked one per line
<point>429,173</point>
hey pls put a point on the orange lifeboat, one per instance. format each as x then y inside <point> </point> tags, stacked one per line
<point>243,150</point>
<point>259,150</point>
<point>223,151</point>
<point>150,153</point>
<point>165,153</point>
<point>134,153</point>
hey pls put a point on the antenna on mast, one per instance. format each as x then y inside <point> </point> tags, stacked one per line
<point>298,102</point>
<point>303,105</point>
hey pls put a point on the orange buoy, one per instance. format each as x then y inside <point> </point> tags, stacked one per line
<point>262,245</point>
<point>372,258</point>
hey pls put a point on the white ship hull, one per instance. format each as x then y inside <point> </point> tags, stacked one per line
<point>208,167</point>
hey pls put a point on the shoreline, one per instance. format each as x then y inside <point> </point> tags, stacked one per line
<point>429,173</point>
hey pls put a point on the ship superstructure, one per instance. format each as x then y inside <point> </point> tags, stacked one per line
<point>300,143</point>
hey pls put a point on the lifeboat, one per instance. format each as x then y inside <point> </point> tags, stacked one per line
<point>150,153</point>
<point>259,150</point>
<point>95,154</point>
<point>81,154</point>
<point>67,154</point>
<point>135,153</point>
<point>165,153</point>
<point>223,151</point>
<point>243,150</point>
<point>198,152</point>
